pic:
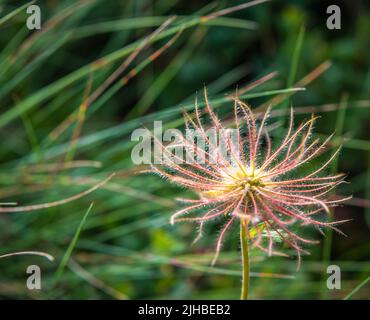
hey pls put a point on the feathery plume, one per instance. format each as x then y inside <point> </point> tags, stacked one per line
<point>251,181</point>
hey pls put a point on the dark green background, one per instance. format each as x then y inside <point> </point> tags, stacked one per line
<point>127,248</point>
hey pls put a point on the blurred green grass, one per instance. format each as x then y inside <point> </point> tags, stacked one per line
<point>126,248</point>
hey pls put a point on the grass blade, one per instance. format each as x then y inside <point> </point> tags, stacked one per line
<point>72,244</point>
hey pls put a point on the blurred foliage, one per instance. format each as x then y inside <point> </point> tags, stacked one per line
<point>126,248</point>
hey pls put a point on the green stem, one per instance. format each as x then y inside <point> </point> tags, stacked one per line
<point>245,261</point>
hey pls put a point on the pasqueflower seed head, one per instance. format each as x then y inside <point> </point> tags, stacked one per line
<point>252,181</point>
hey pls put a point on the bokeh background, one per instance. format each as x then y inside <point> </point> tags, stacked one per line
<point>54,146</point>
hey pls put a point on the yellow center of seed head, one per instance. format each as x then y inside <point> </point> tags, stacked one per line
<point>233,178</point>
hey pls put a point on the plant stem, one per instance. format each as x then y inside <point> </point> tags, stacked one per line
<point>245,261</point>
